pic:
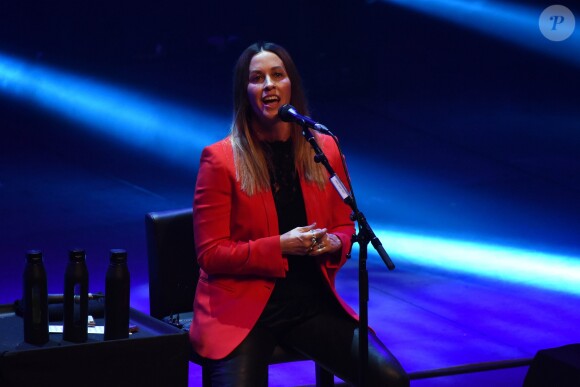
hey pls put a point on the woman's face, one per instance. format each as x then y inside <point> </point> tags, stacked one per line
<point>268,87</point>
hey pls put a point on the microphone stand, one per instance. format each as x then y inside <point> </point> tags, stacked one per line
<point>365,235</point>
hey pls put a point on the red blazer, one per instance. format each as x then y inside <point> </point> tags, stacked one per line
<point>238,247</point>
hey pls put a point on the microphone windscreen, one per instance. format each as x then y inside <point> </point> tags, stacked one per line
<point>285,113</point>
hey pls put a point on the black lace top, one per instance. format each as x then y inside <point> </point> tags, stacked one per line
<point>300,292</point>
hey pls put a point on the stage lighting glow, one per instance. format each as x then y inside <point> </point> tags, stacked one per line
<point>529,267</point>
<point>517,23</point>
<point>179,133</point>
<point>173,131</point>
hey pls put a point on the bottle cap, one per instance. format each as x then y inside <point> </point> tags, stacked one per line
<point>77,255</point>
<point>34,256</point>
<point>118,256</point>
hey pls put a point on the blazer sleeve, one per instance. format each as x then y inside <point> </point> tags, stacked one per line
<point>221,249</point>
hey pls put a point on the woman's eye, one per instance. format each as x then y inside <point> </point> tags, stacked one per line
<point>256,78</point>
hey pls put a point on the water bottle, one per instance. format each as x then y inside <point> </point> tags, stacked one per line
<point>35,299</point>
<point>76,298</point>
<point>117,284</point>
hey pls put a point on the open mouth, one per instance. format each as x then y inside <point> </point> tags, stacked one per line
<point>270,99</point>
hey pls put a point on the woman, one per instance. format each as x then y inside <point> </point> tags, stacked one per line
<point>271,234</point>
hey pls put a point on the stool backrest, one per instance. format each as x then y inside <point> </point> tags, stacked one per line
<point>172,262</point>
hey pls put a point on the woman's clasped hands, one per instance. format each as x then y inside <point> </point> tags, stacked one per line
<point>309,240</point>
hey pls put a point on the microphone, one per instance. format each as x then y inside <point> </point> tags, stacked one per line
<point>288,113</point>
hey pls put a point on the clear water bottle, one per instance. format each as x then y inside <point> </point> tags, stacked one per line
<point>35,299</point>
<point>76,298</point>
<point>117,285</point>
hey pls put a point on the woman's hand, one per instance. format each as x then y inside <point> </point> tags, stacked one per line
<point>329,243</point>
<point>309,240</point>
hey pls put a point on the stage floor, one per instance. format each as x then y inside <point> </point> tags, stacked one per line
<point>435,319</point>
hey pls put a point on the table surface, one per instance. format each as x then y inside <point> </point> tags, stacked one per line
<point>158,354</point>
<point>12,339</point>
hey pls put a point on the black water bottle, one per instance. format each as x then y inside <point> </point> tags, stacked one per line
<point>117,284</point>
<point>35,299</point>
<point>76,298</point>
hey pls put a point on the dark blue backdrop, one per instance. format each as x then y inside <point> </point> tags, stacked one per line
<point>448,131</point>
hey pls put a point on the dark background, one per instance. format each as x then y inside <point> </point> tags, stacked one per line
<point>448,131</point>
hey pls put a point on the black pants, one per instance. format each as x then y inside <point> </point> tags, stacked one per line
<point>329,338</point>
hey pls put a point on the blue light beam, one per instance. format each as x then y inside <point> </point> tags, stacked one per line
<point>518,24</point>
<point>174,132</point>
<point>533,268</point>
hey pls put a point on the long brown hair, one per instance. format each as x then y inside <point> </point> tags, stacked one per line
<point>251,167</point>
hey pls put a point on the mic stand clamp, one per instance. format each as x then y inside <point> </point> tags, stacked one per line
<point>364,236</point>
